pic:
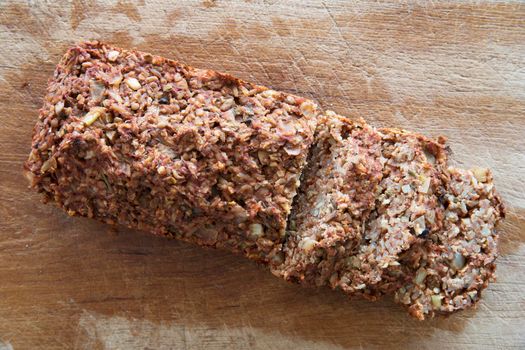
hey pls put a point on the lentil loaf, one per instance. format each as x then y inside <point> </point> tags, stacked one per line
<point>136,139</point>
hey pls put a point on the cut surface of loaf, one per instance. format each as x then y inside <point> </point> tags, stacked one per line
<point>380,212</point>
<point>365,197</point>
<point>136,139</point>
<point>448,270</point>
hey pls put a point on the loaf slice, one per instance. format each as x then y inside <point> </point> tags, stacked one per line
<point>366,197</point>
<point>447,270</point>
<point>337,193</point>
<point>136,139</point>
<point>406,207</point>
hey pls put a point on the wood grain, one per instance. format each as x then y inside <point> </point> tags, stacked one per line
<point>449,68</point>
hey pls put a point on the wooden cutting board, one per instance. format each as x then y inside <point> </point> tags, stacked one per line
<point>434,67</point>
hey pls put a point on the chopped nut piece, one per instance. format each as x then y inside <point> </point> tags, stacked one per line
<point>480,174</point>
<point>133,83</point>
<point>96,89</point>
<point>93,114</point>
<point>308,244</point>
<point>419,225</point>
<point>420,276</point>
<point>459,261</point>
<point>406,188</point>
<point>116,80</point>
<point>49,165</point>
<point>59,107</point>
<point>110,135</point>
<point>436,301</point>
<point>113,55</point>
<point>256,231</point>
<point>425,184</point>
<point>308,109</point>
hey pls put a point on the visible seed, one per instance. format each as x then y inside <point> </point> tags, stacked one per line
<point>420,276</point>
<point>308,244</point>
<point>256,231</point>
<point>425,184</point>
<point>263,157</point>
<point>227,104</point>
<point>458,262</point>
<point>308,109</point>
<point>50,164</point>
<point>133,83</point>
<point>110,135</point>
<point>424,233</point>
<point>480,174</point>
<point>113,55</point>
<point>93,114</point>
<point>59,107</point>
<point>436,301</point>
